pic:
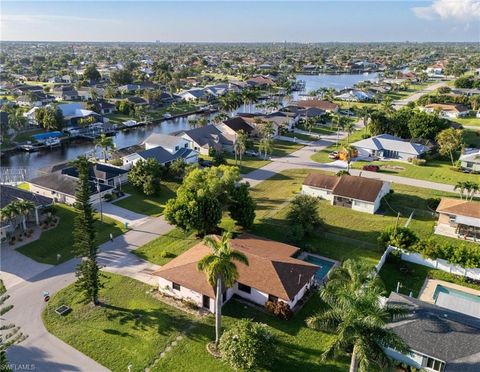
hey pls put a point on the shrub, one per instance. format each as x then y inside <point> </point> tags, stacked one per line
<point>420,162</point>
<point>433,203</point>
<point>304,212</point>
<point>280,309</point>
<point>108,197</point>
<point>342,173</point>
<point>118,162</point>
<point>190,304</point>
<point>296,233</point>
<point>219,158</point>
<point>400,237</point>
<point>166,254</point>
<point>247,345</point>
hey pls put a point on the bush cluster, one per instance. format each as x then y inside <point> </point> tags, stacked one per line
<point>280,309</point>
<point>462,255</point>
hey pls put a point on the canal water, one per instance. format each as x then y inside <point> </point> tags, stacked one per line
<point>69,151</point>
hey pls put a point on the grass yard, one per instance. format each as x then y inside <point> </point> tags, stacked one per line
<point>412,280</point>
<point>117,118</point>
<point>320,129</point>
<point>300,136</point>
<point>130,327</point>
<point>412,89</point>
<point>59,240</point>
<point>472,137</point>
<point>469,121</point>
<point>150,205</point>
<point>133,327</point>
<point>438,170</point>
<point>173,243</point>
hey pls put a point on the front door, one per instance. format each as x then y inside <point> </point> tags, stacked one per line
<point>206,302</point>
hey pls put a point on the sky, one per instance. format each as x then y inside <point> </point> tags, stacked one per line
<point>241,21</point>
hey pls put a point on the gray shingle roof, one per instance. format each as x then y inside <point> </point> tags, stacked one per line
<point>440,333</point>
<point>163,156</point>
<point>9,194</point>
<point>208,135</point>
<point>164,140</point>
<point>64,184</point>
<point>392,143</point>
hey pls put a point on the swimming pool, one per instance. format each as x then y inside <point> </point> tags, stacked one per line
<point>456,293</point>
<point>325,266</point>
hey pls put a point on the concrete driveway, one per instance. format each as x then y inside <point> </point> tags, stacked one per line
<point>121,214</point>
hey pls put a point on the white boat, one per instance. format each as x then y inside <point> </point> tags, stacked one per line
<point>130,123</point>
<point>52,142</point>
<point>167,115</point>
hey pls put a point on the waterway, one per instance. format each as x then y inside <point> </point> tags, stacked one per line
<point>69,151</point>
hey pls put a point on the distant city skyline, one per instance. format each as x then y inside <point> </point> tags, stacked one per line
<point>229,21</point>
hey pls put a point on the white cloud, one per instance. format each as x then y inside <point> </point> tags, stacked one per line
<point>460,10</point>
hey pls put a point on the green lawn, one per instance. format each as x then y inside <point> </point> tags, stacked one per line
<point>412,89</point>
<point>173,243</point>
<point>133,327</point>
<point>117,118</point>
<point>300,136</point>
<point>471,137</point>
<point>320,129</point>
<point>130,327</point>
<point>150,205</point>
<point>470,121</point>
<point>413,278</point>
<point>438,170</point>
<point>59,240</point>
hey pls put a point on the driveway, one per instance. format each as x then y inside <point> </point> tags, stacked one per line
<point>121,214</point>
<point>42,351</point>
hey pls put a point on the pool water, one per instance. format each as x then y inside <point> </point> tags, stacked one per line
<point>455,293</point>
<point>325,266</point>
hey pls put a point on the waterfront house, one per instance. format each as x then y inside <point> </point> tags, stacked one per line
<point>196,94</point>
<point>73,112</point>
<point>459,218</point>
<point>105,107</point>
<point>439,339</point>
<point>232,126</point>
<point>358,193</point>
<point>260,82</point>
<point>9,194</point>
<point>62,187</point>
<point>273,274</point>
<point>447,110</point>
<point>168,142</point>
<point>209,137</point>
<point>386,146</point>
<point>470,160</point>
<point>326,106</point>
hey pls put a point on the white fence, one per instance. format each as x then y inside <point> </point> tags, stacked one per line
<point>438,264</point>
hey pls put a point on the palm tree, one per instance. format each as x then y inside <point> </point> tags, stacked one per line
<point>310,124</point>
<point>219,118</point>
<point>10,213</point>
<point>348,150</point>
<point>240,145</point>
<point>265,145</point>
<point>24,207</point>
<point>357,319</point>
<point>387,105</point>
<point>349,128</point>
<point>460,186</point>
<point>365,113</point>
<point>106,144</point>
<point>221,270</point>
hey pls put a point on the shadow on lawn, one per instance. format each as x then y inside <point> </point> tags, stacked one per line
<point>138,319</point>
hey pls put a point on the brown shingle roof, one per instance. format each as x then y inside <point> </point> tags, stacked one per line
<point>360,188</point>
<point>459,207</point>
<point>271,268</point>
<point>321,181</point>
<point>324,105</point>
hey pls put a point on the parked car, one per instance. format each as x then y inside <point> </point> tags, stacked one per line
<point>251,153</point>
<point>333,155</point>
<point>371,168</point>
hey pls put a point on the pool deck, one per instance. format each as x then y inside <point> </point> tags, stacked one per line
<point>429,286</point>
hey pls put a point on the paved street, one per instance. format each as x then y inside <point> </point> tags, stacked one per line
<point>414,97</point>
<point>43,351</point>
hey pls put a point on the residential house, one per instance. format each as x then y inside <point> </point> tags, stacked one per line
<point>105,107</point>
<point>309,112</point>
<point>470,160</point>
<point>436,70</point>
<point>137,101</point>
<point>273,274</point>
<point>9,194</point>
<point>196,94</point>
<point>85,94</point>
<point>203,139</point>
<point>102,173</point>
<point>326,106</point>
<point>65,93</point>
<point>260,82</point>
<point>386,146</point>
<point>233,125</point>
<point>450,110</point>
<point>355,95</point>
<point>358,193</point>
<point>128,88</point>
<point>73,112</point>
<point>24,89</point>
<point>459,219</point>
<point>439,339</point>
<point>164,148</point>
<point>35,99</point>
<point>62,187</point>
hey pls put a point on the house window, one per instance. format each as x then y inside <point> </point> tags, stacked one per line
<point>434,364</point>
<point>176,286</point>
<point>244,288</point>
<point>272,298</point>
<point>176,148</point>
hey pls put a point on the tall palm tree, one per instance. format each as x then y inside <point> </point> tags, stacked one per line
<point>365,113</point>
<point>310,124</point>
<point>221,271</point>
<point>356,317</point>
<point>387,105</point>
<point>240,145</point>
<point>106,144</point>
<point>349,128</point>
<point>349,151</point>
<point>10,213</point>
<point>460,186</point>
<point>266,146</point>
